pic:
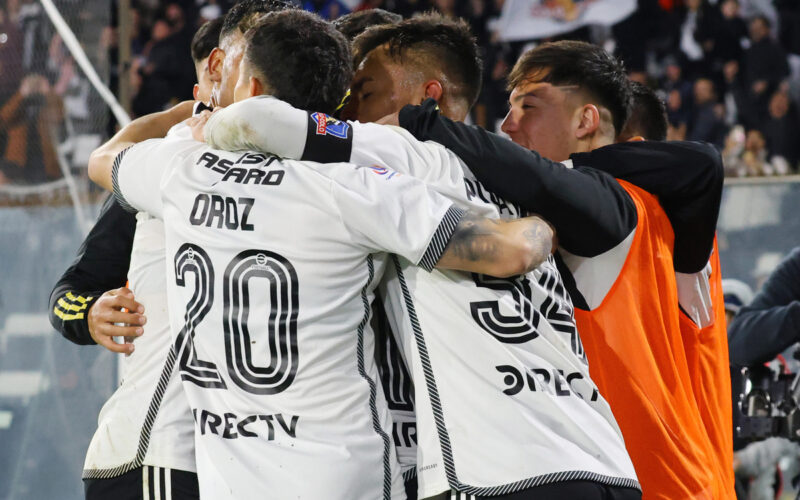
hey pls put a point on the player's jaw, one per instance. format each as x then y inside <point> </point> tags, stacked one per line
<point>553,120</point>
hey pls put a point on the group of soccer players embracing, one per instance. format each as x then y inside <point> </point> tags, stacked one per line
<point>394,304</point>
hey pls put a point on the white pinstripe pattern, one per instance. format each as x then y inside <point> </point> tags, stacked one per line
<point>167,484</point>
<point>145,483</point>
<point>157,483</point>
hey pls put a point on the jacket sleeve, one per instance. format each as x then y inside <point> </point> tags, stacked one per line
<point>687,177</point>
<point>771,322</point>
<point>101,265</point>
<point>589,209</point>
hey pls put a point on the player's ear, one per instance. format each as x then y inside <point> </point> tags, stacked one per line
<point>215,60</point>
<point>433,90</point>
<point>195,91</point>
<point>588,121</point>
<point>256,87</point>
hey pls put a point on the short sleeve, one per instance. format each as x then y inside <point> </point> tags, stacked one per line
<point>137,173</point>
<point>385,210</point>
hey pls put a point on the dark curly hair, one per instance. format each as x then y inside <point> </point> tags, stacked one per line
<point>582,64</point>
<point>433,40</point>
<point>303,59</point>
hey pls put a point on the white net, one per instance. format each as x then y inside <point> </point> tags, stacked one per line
<point>51,118</point>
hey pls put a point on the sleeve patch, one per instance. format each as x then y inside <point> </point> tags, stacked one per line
<point>328,140</point>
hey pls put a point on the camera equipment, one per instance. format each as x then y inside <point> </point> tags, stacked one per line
<point>768,404</point>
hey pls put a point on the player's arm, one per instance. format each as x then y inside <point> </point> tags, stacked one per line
<point>270,125</point>
<point>79,308</point>
<point>101,161</point>
<point>687,177</point>
<point>771,322</point>
<point>390,212</point>
<point>589,209</point>
<point>498,247</point>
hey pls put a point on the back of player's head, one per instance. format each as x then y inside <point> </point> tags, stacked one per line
<point>432,44</point>
<point>353,24</point>
<point>205,39</point>
<point>242,16</point>
<point>648,116</point>
<point>589,67</point>
<point>302,58</point>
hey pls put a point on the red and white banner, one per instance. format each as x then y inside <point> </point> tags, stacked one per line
<point>531,19</point>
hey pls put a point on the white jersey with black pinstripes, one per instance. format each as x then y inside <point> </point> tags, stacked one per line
<point>504,401</point>
<point>271,271</point>
<point>147,421</point>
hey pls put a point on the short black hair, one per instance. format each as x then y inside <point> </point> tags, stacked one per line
<point>242,15</point>
<point>648,116</point>
<point>353,24</point>
<point>569,62</point>
<point>205,39</point>
<point>304,60</point>
<point>446,43</point>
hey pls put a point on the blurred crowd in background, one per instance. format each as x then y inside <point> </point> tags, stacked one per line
<point>728,70</point>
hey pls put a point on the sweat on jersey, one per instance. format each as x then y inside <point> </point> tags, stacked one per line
<point>271,269</point>
<point>503,396</point>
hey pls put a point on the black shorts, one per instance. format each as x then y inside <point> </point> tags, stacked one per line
<point>145,483</point>
<point>566,490</point>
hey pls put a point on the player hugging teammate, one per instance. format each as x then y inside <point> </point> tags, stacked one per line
<point>351,310</point>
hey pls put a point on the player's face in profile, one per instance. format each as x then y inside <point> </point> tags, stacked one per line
<point>380,87</point>
<point>542,118</point>
<point>202,89</point>
<point>242,89</point>
<point>234,50</point>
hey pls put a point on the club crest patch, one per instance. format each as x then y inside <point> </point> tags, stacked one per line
<point>327,125</point>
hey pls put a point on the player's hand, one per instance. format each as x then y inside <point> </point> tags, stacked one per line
<point>198,124</point>
<point>393,119</point>
<point>107,310</point>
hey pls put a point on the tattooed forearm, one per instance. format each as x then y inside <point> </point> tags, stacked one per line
<point>540,236</point>
<point>474,239</point>
<point>498,247</point>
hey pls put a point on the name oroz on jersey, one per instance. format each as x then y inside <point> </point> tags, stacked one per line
<point>233,426</point>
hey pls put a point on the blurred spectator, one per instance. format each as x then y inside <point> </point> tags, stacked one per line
<point>765,62</point>
<point>720,34</point>
<point>30,124</point>
<point>163,70</point>
<point>32,23</point>
<point>747,156</point>
<point>781,128</point>
<point>696,12</point>
<point>706,122</point>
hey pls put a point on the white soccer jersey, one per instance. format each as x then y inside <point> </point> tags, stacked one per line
<point>147,421</point>
<point>270,277</point>
<point>503,395</point>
